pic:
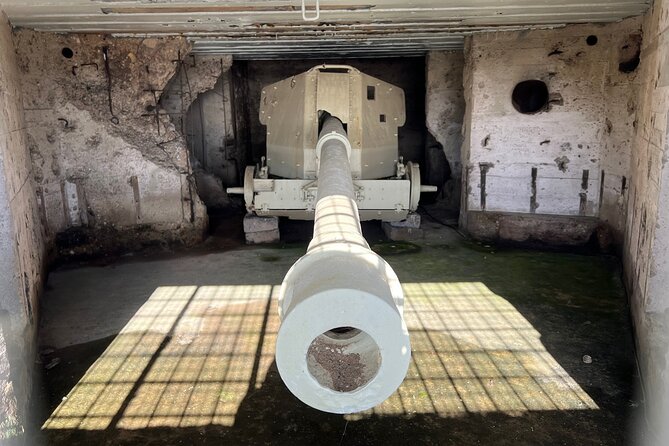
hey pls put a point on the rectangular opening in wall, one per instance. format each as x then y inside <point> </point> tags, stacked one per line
<point>371,92</point>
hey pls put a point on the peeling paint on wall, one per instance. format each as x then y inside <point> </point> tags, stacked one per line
<point>94,120</point>
<point>562,162</point>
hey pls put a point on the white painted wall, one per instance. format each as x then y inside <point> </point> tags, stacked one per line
<point>646,250</point>
<point>581,80</point>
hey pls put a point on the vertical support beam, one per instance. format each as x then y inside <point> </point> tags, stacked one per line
<point>134,183</point>
<point>484,173</point>
<point>583,204</point>
<point>533,197</point>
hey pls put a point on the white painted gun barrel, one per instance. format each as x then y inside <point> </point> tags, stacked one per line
<point>343,345</point>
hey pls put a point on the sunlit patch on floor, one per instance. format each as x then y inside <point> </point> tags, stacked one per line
<point>191,355</point>
<point>474,352</point>
<point>185,359</point>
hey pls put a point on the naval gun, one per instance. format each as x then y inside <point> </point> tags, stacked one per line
<point>332,156</point>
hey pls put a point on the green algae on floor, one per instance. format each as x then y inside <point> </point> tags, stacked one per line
<point>498,340</point>
<point>395,248</point>
<point>268,258</point>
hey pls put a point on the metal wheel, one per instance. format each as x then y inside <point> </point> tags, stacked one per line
<point>413,175</point>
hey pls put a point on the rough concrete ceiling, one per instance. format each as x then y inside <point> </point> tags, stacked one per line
<point>278,28</point>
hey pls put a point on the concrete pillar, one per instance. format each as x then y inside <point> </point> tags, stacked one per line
<point>21,252</point>
<point>646,250</point>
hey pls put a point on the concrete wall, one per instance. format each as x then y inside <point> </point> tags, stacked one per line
<point>211,134</point>
<point>199,102</point>
<point>444,113</point>
<point>568,160</point>
<point>646,250</point>
<point>21,251</point>
<point>111,169</point>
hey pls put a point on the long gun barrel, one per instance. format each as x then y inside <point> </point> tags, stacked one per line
<point>343,346</point>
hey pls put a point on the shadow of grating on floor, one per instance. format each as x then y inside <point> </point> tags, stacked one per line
<point>191,355</point>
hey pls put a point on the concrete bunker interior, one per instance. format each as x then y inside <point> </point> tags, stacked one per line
<point>141,304</point>
<point>221,152</point>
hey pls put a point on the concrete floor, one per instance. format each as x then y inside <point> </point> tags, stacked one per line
<point>179,349</point>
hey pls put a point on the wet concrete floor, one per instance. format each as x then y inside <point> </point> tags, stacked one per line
<point>509,346</point>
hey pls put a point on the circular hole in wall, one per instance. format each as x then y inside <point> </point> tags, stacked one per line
<point>631,64</point>
<point>67,52</point>
<point>630,54</point>
<point>591,40</point>
<point>343,359</point>
<point>530,96</point>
